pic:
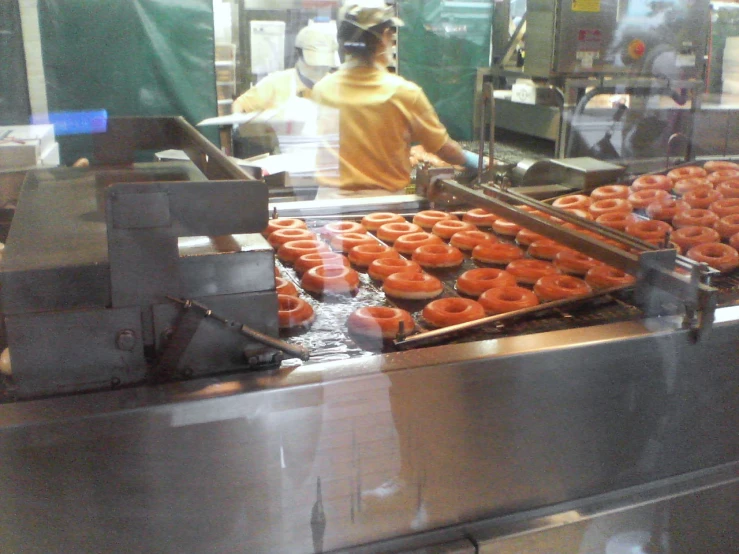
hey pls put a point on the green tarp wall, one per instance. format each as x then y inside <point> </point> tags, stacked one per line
<point>440,48</point>
<point>130,57</point>
<point>14,105</point>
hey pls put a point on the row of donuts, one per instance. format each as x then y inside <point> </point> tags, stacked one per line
<point>696,207</point>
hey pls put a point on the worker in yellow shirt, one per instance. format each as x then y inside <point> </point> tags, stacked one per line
<point>379,114</point>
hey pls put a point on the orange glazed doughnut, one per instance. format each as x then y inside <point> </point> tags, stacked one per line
<point>479,217</point>
<point>688,237</point>
<point>476,281</point>
<point>526,236</point>
<point>684,185</point>
<point>607,192</point>
<point>651,230</point>
<point>364,254</point>
<point>291,251</point>
<point>496,253</point>
<point>428,218</point>
<point>446,228</point>
<point>390,232</point>
<point>277,272</point>
<point>340,227</point>
<point>437,256</point>
<point>717,165</point>
<point>293,312</point>
<point>407,244</point>
<point>580,213</point>
<point>695,218</point>
<point>545,249</point>
<point>725,206</point>
<point>666,209</point>
<point>346,241</point>
<point>315,259</point>
<point>701,197</point>
<point>412,286</point>
<point>606,276</point>
<point>505,227</point>
<point>572,201</point>
<point>652,182</point>
<point>557,287</point>
<point>501,300</point>
<point>379,322</point>
<point>326,279</point>
<point>719,256</point>
<point>727,226</point>
<point>729,189</point>
<point>608,205</point>
<point>452,311</point>
<point>616,220</point>
<point>281,236</point>
<point>374,221</point>
<point>574,262</point>
<point>284,223</point>
<point>723,175</point>
<point>283,286</point>
<point>686,172</point>
<point>467,240</point>
<point>734,242</point>
<point>642,198</point>
<point>528,272</point>
<point>382,268</point>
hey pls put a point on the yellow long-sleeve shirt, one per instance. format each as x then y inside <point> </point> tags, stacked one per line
<point>271,92</point>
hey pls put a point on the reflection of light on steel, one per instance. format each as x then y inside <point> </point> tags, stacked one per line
<point>727,314</point>
<point>193,242</point>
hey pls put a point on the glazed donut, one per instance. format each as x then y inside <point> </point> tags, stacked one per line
<point>725,206</point>
<point>340,227</point>
<point>374,221</point>
<point>379,322</point>
<point>437,256</point>
<point>528,272</point>
<point>651,182</point>
<point>277,272</point>
<point>729,189</point>
<point>281,236</point>
<point>616,220</point>
<point>476,281</point>
<point>526,236</point>
<point>694,218</point>
<point>479,217</point>
<point>446,228</point>
<point>701,197</point>
<point>650,230</point>
<point>684,185</point>
<point>315,259</point>
<point>428,218</point>
<point>572,201</point>
<point>723,175</point>
<point>363,255</point>
<point>506,228</point>
<point>502,300</point>
<point>545,249</point>
<point>666,209</point>
<point>727,226</point>
<point>717,165</point>
<point>642,198</point>
<point>407,244</point>
<point>687,172</point>
<point>452,311</point>
<point>467,240</point>
<point>606,276</point>
<point>284,223</point>
<point>607,192</point>
<point>734,242</point>
<point>293,312</point>
<point>580,213</point>
<point>330,280</point>
<point>291,251</point>
<point>283,286</point>
<point>496,253</point>
<point>609,205</point>
<point>344,242</point>
<point>574,263</point>
<point>688,237</point>
<point>412,285</point>
<point>381,268</point>
<point>556,287</point>
<point>390,232</point>
<point>719,256</point>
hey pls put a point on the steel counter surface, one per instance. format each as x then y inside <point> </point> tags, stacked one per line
<point>474,431</point>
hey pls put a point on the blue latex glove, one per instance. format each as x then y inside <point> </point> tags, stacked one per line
<point>471,159</point>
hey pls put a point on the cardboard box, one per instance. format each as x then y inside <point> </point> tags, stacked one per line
<point>24,145</point>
